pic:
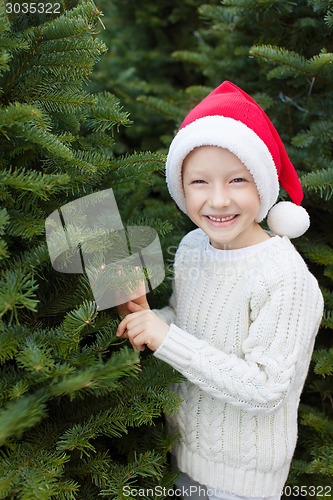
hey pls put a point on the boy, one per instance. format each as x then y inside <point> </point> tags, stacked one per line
<point>242,319</point>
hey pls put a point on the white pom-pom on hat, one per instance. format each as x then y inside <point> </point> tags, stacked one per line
<point>288,219</point>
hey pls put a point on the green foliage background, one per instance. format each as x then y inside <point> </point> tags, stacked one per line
<point>83,108</point>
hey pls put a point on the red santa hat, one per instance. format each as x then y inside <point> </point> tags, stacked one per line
<point>231,119</point>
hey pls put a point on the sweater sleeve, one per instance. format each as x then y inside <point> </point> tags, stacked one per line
<point>276,354</point>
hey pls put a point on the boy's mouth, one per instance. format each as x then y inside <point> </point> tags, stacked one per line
<point>221,222</point>
<point>221,218</point>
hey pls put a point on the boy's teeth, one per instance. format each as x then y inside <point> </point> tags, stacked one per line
<point>223,219</point>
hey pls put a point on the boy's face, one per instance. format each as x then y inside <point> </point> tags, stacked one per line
<point>217,184</point>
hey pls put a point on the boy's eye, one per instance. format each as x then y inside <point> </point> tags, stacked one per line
<point>198,181</point>
<point>239,179</point>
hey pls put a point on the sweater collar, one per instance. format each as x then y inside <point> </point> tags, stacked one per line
<point>239,253</point>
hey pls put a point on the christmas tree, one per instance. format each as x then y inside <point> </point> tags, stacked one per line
<point>80,412</point>
<point>141,38</point>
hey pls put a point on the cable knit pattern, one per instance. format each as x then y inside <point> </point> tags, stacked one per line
<point>242,329</point>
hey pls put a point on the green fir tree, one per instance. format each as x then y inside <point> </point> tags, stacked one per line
<point>141,37</point>
<point>80,411</point>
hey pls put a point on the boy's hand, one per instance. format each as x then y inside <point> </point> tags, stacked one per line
<point>142,327</point>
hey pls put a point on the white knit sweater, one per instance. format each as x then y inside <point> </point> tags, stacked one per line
<point>242,329</point>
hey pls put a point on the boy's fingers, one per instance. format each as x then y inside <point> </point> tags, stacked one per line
<point>123,324</point>
<point>122,327</point>
<point>138,341</point>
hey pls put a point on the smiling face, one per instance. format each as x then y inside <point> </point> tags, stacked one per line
<point>221,198</point>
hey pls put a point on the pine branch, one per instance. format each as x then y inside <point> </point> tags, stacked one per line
<point>321,253</point>
<point>90,163</point>
<point>4,220</point>
<point>39,477</point>
<point>293,64</point>
<point>244,4</point>
<point>328,297</point>
<point>75,47</point>
<point>188,56</point>
<point>5,58</point>
<point>39,65</point>
<point>66,293</point>
<point>290,59</point>
<point>4,21</point>
<point>39,185</point>
<point>197,92</point>
<point>327,321</point>
<point>323,389</point>
<point>36,359</point>
<point>166,108</point>
<point>10,384</point>
<point>319,182</point>
<point>45,139</point>
<point>13,43</point>
<point>35,257</point>
<point>97,466</point>
<point>145,401</point>
<point>218,14</point>
<point>323,360</point>
<point>106,113</point>
<point>108,423</point>
<point>57,97</point>
<point>105,338</point>
<point>100,378</point>
<point>143,465</point>
<point>10,340</point>
<point>26,225</point>
<point>323,463</point>
<point>4,253</point>
<point>67,121</point>
<point>137,163</point>
<point>18,415</point>
<point>163,227</point>
<point>76,321</point>
<point>329,18</point>
<point>317,420</point>
<point>98,141</point>
<point>320,130</point>
<point>86,9</point>
<point>18,113</point>
<point>70,24</point>
<point>17,291</point>
<point>321,64</point>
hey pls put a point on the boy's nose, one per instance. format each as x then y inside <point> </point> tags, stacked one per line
<point>219,197</point>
